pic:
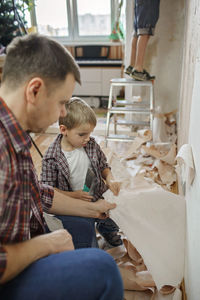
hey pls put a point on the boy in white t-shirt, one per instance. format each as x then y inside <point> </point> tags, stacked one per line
<point>75,163</point>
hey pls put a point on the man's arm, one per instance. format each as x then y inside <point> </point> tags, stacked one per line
<point>65,205</point>
<point>21,255</point>
<point>79,194</point>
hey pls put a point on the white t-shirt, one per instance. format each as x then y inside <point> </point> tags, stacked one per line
<point>79,163</point>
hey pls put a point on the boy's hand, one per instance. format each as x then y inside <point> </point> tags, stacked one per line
<point>81,195</point>
<point>102,208</point>
<point>113,185</point>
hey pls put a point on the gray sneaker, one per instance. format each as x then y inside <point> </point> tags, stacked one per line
<point>142,76</point>
<point>129,70</point>
<point>151,77</point>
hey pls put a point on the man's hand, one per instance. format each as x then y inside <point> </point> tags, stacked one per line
<point>21,255</point>
<point>81,195</point>
<point>59,241</point>
<point>65,205</point>
<point>101,208</point>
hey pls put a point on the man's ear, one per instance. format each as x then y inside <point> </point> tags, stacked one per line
<point>33,89</point>
<point>63,129</point>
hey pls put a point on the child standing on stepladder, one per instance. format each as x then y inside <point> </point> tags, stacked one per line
<point>75,163</point>
<point>146,17</point>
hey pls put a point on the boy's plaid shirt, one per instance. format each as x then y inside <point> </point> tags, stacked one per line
<point>55,168</point>
<point>22,197</point>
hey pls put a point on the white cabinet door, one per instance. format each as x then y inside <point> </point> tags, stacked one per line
<point>96,81</point>
<point>88,89</point>
<point>90,74</point>
<point>91,82</point>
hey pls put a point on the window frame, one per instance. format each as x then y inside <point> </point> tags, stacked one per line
<point>72,15</point>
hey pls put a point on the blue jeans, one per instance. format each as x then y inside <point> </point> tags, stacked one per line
<point>82,231</point>
<point>107,225</point>
<point>85,274</point>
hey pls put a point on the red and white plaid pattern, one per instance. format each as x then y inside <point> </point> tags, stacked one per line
<point>22,198</point>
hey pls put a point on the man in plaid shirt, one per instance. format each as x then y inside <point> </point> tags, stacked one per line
<point>39,76</point>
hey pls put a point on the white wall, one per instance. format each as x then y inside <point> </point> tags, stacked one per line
<point>188,132</point>
<point>192,267</point>
<point>164,51</point>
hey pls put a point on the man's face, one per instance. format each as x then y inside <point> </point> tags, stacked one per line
<point>50,106</point>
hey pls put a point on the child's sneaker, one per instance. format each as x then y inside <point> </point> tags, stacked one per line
<point>149,76</point>
<point>109,230</point>
<point>113,238</point>
<point>129,70</point>
<point>142,76</point>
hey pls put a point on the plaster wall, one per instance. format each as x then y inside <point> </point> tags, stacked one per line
<point>189,124</point>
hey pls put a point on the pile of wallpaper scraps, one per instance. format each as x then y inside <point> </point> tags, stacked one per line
<point>138,282</point>
<point>162,170</point>
<point>153,220</point>
<point>155,161</point>
<point>164,126</point>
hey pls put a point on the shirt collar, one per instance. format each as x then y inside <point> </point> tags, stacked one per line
<point>19,138</point>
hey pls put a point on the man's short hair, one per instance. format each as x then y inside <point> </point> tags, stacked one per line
<point>78,113</point>
<point>36,55</point>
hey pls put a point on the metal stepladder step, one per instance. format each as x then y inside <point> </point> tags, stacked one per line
<point>123,107</point>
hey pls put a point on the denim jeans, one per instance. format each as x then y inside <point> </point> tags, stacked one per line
<point>82,231</point>
<point>146,16</point>
<point>84,274</point>
<point>107,225</point>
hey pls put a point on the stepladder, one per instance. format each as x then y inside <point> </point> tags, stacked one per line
<point>128,113</point>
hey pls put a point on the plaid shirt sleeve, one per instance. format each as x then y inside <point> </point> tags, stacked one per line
<point>5,179</point>
<point>48,179</point>
<point>3,260</point>
<point>47,193</point>
<point>49,172</point>
<point>101,158</point>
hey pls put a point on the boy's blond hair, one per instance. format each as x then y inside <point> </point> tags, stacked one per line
<point>78,113</point>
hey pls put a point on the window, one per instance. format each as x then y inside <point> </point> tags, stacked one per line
<point>76,20</point>
<point>52,19</point>
<point>94,17</point>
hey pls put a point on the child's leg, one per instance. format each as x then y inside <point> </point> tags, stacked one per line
<point>140,52</point>
<point>133,50</point>
<point>107,225</point>
<point>109,230</point>
<point>82,231</point>
<point>146,17</point>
